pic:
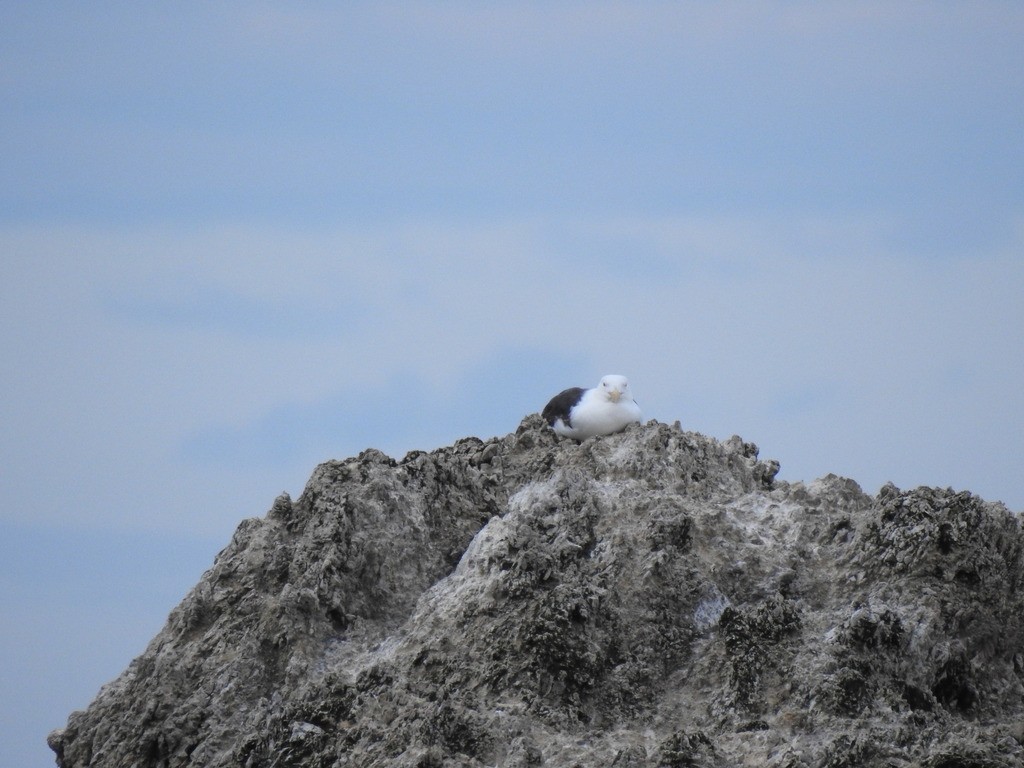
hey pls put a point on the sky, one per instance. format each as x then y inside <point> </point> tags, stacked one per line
<point>239,239</point>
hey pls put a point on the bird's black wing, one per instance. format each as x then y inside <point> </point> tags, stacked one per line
<point>561,404</point>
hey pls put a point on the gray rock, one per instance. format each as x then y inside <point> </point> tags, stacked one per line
<point>652,598</point>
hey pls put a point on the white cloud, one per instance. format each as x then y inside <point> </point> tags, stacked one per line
<point>811,336</point>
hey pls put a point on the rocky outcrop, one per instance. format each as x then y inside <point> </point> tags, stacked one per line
<point>652,598</point>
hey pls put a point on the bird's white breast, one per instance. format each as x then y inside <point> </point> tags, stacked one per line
<point>595,414</point>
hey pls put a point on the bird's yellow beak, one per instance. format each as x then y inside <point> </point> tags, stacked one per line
<point>614,395</point>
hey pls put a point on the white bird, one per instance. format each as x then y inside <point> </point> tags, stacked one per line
<point>581,413</point>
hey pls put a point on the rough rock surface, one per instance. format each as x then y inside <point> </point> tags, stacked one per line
<point>652,598</point>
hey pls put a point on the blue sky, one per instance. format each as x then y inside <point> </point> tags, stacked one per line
<point>240,239</point>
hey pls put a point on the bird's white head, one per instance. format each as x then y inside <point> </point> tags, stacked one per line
<point>615,388</point>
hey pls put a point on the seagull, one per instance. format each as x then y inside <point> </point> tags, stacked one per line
<point>581,413</point>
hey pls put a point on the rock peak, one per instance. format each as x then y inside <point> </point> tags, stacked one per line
<point>651,598</point>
